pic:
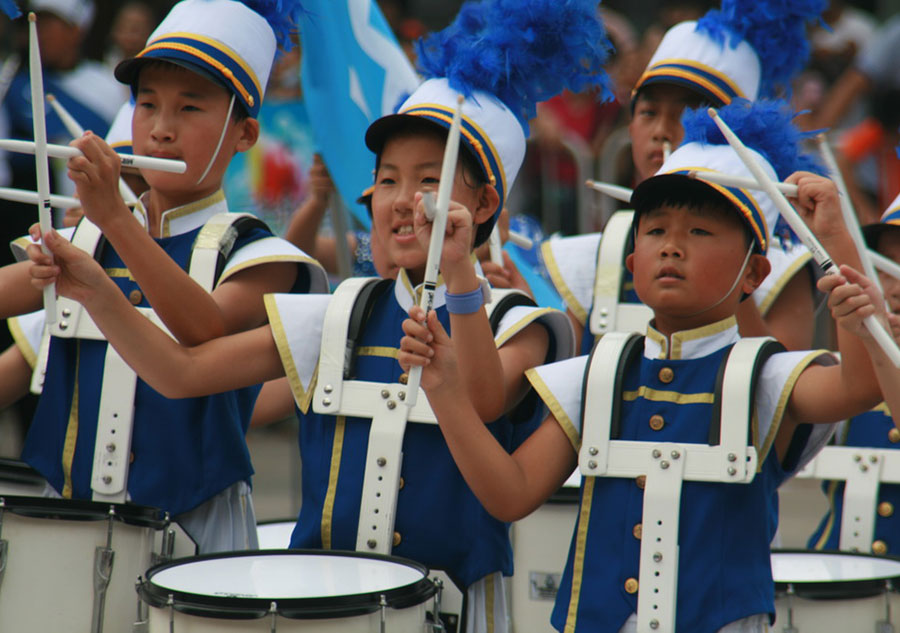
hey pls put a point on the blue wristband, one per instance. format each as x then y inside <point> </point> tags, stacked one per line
<point>465,303</point>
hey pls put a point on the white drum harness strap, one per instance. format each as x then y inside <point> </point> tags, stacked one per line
<point>608,312</point>
<point>728,457</point>
<point>863,470</point>
<point>112,448</point>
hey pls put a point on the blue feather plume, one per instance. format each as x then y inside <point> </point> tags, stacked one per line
<point>10,8</point>
<point>522,51</point>
<point>775,28</point>
<point>764,126</point>
<point>281,16</point>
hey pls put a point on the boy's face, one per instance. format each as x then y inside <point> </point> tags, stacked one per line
<point>410,164</point>
<point>180,115</point>
<point>889,246</point>
<point>684,263</point>
<point>656,119</point>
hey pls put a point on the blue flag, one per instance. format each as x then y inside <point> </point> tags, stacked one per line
<point>353,72</point>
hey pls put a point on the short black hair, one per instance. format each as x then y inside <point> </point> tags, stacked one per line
<point>676,190</point>
<point>238,112</point>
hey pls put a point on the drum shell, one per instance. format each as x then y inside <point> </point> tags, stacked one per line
<point>48,583</point>
<point>212,612</point>
<point>835,605</point>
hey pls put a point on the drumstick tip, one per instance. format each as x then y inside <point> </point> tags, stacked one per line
<point>459,100</point>
<point>712,113</point>
<point>51,98</point>
<point>32,17</point>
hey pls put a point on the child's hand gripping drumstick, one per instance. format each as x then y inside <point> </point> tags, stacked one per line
<point>437,213</point>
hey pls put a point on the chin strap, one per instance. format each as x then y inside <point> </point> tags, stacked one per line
<point>733,285</point>
<point>221,140</point>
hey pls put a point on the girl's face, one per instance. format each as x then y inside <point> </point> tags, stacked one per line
<point>410,164</point>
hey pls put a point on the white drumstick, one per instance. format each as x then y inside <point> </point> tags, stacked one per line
<point>74,128</point>
<point>885,265</point>
<point>438,229</point>
<point>667,150</point>
<point>522,241</point>
<point>42,166</point>
<point>31,197</point>
<point>7,72</point>
<point>850,218</point>
<point>613,191</point>
<point>128,160</point>
<point>881,336</point>
<point>727,180</point>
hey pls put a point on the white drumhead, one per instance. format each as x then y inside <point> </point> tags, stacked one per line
<point>285,576</point>
<point>275,535</point>
<point>800,567</point>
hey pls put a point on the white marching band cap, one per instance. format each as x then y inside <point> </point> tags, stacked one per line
<point>499,155</point>
<point>227,41</point>
<point>755,207</point>
<point>746,49</point>
<point>691,58</point>
<point>77,12</point>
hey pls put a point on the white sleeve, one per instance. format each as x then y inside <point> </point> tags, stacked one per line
<point>572,265</point>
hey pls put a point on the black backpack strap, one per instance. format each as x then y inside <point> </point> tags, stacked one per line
<point>359,316</point>
<point>768,348</point>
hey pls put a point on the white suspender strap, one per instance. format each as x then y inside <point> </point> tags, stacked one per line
<point>608,314</point>
<point>736,409</point>
<point>599,397</point>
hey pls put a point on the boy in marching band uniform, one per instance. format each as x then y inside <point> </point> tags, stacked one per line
<point>745,50</point>
<point>699,250</point>
<point>438,520</point>
<point>198,86</point>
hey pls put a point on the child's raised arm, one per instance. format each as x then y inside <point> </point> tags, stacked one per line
<point>234,306</point>
<point>495,379</point>
<point>509,486</point>
<point>830,394</point>
<point>176,371</point>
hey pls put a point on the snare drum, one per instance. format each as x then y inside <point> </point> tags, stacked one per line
<point>819,592</point>
<point>72,565</point>
<point>18,478</point>
<point>299,590</point>
<point>275,534</point>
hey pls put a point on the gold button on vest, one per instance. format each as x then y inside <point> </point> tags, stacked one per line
<point>638,530</point>
<point>885,509</point>
<point>631,585</point>
<point>880,548</point>
<point>135,297</point>
<point>657,422</point>
<point>666,375</point>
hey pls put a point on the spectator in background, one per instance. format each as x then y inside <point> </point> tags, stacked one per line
<point>844,32</point>
<point>130,29</point>
<point>875,66</point>
<point>572,126</point>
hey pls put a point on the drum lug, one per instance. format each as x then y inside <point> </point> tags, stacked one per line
<point>885,626</point>
<point>273,609</point>
<point>4,545</point>
<point>437,625</point>
<point>383,603</point>
<point>103,565</point>
<point>790,628</point>
<point>142,623</point>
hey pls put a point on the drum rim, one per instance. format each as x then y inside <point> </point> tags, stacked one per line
<point>313,608</point>
<point>82,510</point>
<point>844,589</point>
